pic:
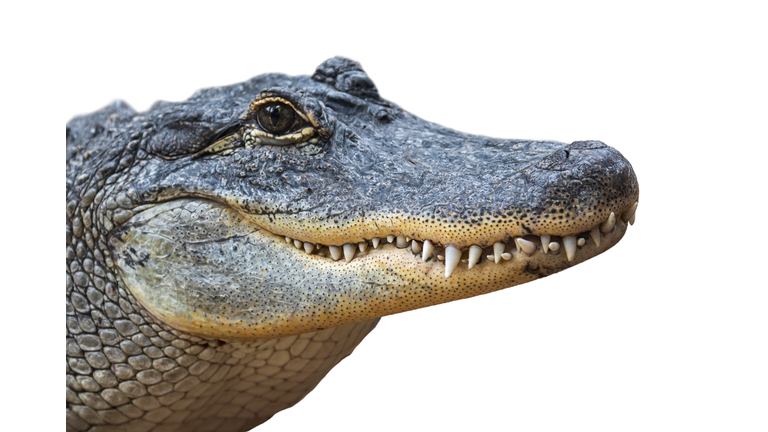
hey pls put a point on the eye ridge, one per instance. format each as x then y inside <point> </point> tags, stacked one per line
<point>276,117</point>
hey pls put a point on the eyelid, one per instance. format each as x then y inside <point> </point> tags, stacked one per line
<point>258,102</point>
<point>254,136</point>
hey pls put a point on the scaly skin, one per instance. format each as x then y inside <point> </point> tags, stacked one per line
<point>208,282</point>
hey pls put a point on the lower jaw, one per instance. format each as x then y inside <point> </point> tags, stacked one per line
<point>254,285</point>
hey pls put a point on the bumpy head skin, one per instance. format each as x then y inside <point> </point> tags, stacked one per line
<point>286,205</point>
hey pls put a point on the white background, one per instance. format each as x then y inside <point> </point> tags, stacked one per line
<point>668,331</point>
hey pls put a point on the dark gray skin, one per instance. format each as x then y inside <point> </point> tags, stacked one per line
<point>142,356</point>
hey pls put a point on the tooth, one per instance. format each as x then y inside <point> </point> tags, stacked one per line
<point>335,252</point>
<point>581,242</point>
<point>607,226</point>
<point>288,240</point>
<point>390,238</point>
<point>401,243</point>
<point>441,257</point>
<point>465,260</point>
<point>407,239</point>
<point>415,247</point>
<point>474,255</point>
<point>506,256</point>
<point>554,246</point>
<point>629,214</point>
<point>349,251</point>
<point>570,247</point>
<point>308,247</point>
<point>375,242</point>
<point>545,243</point>
<point>595,234</point>
<point>490,257</point>
<point>452,257</point>
<point>298,244</point>
<point>427,251</point>
<point>498,249</point>
<point>363,246</point>
<point>632,220</point>
<point>527,246</point>
<point>517,245</point>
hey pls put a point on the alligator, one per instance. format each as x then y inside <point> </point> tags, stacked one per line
<point>225,252</point>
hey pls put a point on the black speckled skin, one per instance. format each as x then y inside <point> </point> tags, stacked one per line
<point>376,170</point>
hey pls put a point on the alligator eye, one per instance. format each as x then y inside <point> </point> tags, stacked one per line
<point>276,117</point>
<point>272,120</point>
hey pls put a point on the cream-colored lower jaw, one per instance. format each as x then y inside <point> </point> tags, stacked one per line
<point>197,266</point>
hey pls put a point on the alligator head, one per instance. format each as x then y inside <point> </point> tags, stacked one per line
<point>287,205</point>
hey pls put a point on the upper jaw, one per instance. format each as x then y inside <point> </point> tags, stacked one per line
<point>557,196</point>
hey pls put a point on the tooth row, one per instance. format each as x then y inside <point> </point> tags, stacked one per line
<point>453,254</point>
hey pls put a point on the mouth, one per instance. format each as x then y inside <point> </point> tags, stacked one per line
<point>477,255</point>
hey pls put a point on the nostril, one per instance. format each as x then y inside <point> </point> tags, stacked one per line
<point>587,145</point>
<point>559,160</point>
<point>555,161</point>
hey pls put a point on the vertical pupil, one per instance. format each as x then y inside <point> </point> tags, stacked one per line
<point>274,115</point>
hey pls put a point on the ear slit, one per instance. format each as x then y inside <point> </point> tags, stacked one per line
<point>226,143</point>
<point>229,129</point>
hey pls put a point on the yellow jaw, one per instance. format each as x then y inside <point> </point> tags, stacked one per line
<point>203,268</point>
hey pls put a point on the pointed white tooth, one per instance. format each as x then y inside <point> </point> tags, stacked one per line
<point>390,238</point>
<point>288,239</point>
<point>401,243</point>
<point>629,214</point>
<point>554,246</point>
<point>452,257</point>
<point>415,246</point>
<point>349,251</point>
<point>335,252</point>
<point>545,243</point>
<point>570,247</point>
<point>581,242</point>
<point>607,226</point>
<point>498,249</point>
<point>441,257</point>
<point>526,246</point>
<point>474,255</point>
<point>363,246</point>
<point>517,245</point>
<point>506,256</point>
<point>465,260</point>
<point>595,234</point>
<point>407,239</point>
<point>308,247</point>
<point>319,246</point>
<point>298,244</point>
<point>632,219</point>
<point>427,250</point>
<point>491,257</point>
<point>375,242</point>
